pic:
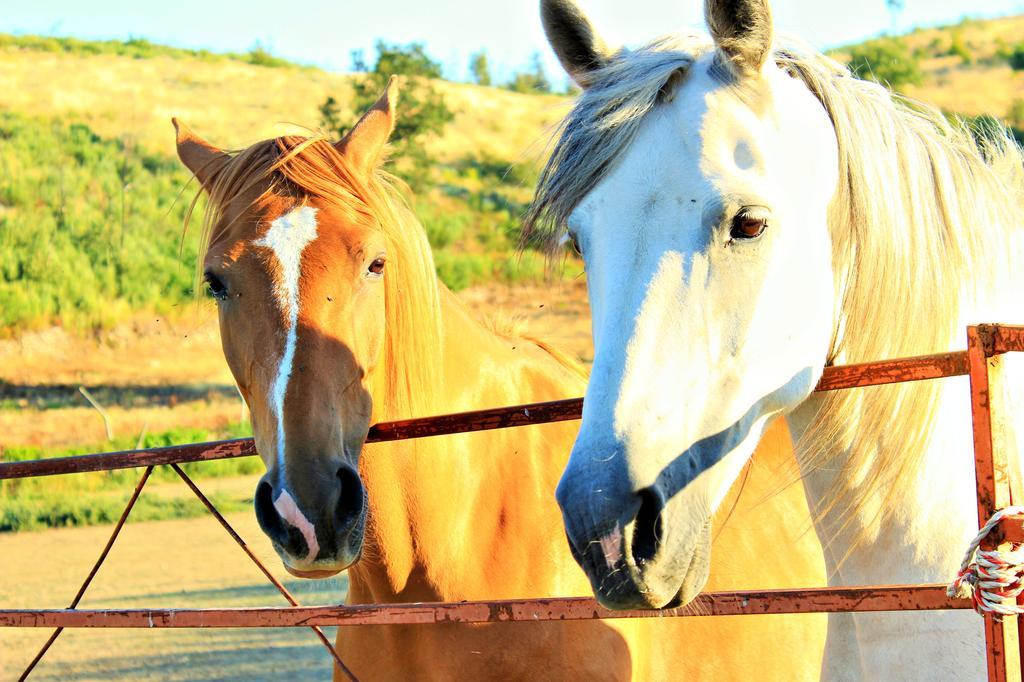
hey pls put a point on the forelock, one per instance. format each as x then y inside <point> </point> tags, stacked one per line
<point>602,123</point>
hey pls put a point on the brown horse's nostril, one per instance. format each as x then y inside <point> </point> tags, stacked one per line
<point>285,535</point>
<point>350,498</point>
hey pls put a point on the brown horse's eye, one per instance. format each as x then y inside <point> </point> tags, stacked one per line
<point>215,287</point>
<point>748,225</point>
<point>376,268</point>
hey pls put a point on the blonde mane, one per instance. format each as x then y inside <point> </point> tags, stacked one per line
<point>311,167</point>
<point>919,224</point>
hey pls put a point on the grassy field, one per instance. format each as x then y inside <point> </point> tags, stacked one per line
<point>234,103</point>
<point>88,171</point>
<point>96,276</point>
<point>98,497</point>
<point>91,227</point>
<point>92,197</point>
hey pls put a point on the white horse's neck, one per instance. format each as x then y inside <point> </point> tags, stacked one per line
<point>921,541</point>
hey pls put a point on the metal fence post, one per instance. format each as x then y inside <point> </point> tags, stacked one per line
<point>1001,635</point>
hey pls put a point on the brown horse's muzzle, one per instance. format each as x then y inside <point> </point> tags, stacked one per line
<point>317,526</point>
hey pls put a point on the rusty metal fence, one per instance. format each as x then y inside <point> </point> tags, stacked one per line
<point>981,362</point>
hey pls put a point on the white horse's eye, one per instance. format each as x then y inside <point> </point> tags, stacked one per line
<point>574,243</point>
<point>748,225</point>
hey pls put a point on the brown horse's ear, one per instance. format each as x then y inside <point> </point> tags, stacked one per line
<point>742,30</point>
<point>198,155</point>
<point>573,39</point>
<point>364,145</point>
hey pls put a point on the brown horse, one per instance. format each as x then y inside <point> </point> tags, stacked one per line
<point>331,318</point>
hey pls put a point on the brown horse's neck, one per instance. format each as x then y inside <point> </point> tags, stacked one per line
<point>439,506</point>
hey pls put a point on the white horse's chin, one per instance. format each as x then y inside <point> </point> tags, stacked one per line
<point>673,576</point>
<point>678,574</point>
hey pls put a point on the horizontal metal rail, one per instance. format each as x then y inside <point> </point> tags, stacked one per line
<point>760,602</point>
<point>1006,338</point>
<point>833,378</point>
<point>984,341</point>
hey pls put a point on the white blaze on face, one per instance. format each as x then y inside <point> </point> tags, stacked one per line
<point>290,512</point>
<point>287,238</point>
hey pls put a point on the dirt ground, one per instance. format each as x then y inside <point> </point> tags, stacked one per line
<point>186,563</point>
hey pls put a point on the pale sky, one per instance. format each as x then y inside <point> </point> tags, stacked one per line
<point>324,33</point>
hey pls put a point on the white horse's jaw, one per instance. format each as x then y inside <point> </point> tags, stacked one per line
<point>700,338</point>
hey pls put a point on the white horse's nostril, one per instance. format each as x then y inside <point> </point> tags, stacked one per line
<point>611,546</point>
<point>289,511</point>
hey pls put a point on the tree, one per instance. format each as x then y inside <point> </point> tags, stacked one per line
<point>958,48</point>
<point>331,117</point>
<point>1015,120</point>
<point>1016,58</point>
<point>1015,116</point>
<point>422,112</point>
<point>261,56</point>
<point>532,80</point>
<point>479,68</point>
<point>895,10</point>
<point>887,61</point>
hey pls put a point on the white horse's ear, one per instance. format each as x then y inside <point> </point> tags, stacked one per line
<point>364,144</point>
<point>742,30</point>
<point>198,155</point>
<point>573,39</point>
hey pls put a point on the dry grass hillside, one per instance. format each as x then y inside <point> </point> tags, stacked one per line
<point>234,104</point>
<point>987,85</point>
<point>976,81</point>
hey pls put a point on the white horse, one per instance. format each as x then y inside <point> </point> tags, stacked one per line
<point>750,213</point>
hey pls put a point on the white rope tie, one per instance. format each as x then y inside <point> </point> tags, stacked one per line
<point>994,579</point>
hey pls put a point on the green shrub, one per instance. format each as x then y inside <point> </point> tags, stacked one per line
<point>1016,57</point>
<point>528,266</point>
<point>422,111</point>
<point>90,227</point>
<point>958,48</point>
<point>533,80</point>
<point>444,228</point>
<point>99,497</point>
<point>887,61</point>
<point>461,270</point>
<point>37,513</point>
<point>261,57</point>
<point>1015,116</point>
